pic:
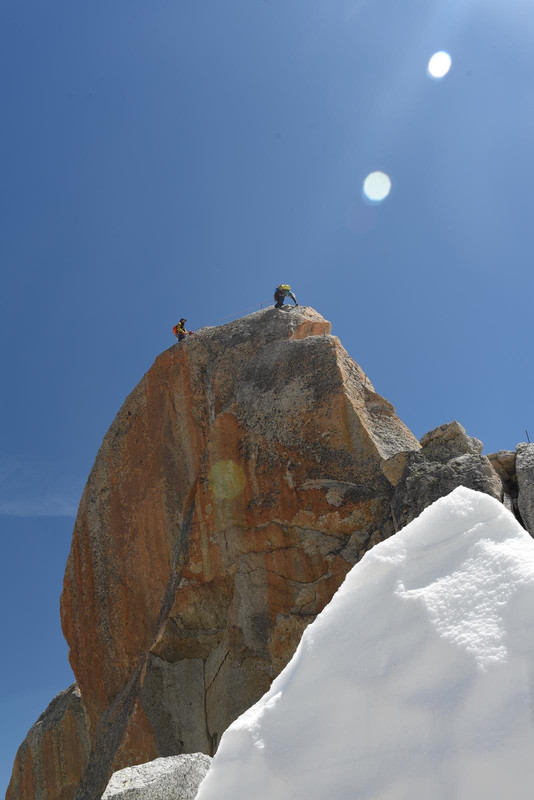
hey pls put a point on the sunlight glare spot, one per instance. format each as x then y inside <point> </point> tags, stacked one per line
<point>227,480</point>
<point>439,64</point>
<point>377,186</point>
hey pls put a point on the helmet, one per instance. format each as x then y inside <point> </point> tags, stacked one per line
<point>183,320</point>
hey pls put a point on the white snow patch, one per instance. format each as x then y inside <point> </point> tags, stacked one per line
<point>416,681</point>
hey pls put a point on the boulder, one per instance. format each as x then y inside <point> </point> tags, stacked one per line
<point>171,778</point>
<point>448,441</point>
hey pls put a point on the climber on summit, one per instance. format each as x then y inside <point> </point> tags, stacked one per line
<point>180,331</point>
<point>281,292</point>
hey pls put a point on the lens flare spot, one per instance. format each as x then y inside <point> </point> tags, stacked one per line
<point>227,479</point>
<point>439,64</point>
<point>377,186</point>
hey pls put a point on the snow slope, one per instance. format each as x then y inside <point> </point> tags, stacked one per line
<point>416,681</point>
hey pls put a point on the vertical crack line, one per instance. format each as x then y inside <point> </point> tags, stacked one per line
<point>212,739</point>
<point>209,738</point>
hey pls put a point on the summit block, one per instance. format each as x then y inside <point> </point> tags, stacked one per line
<point>236,487</point>
<point>250,469</point>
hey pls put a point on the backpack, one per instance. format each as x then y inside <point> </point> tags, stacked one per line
<point>175,330</point>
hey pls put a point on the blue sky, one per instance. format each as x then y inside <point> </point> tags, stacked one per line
<point>180,158</point>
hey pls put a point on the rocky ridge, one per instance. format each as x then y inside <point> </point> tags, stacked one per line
<point>248,471</point>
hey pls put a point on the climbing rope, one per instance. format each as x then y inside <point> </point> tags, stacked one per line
<point>234,315</point>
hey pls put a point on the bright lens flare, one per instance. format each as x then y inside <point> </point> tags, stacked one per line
<point>439,64</point>
<point>377,186</point>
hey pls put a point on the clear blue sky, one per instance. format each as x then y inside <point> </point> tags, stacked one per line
<point>182,157</point>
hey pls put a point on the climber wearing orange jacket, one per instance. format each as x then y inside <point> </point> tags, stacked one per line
<point>180,331</point>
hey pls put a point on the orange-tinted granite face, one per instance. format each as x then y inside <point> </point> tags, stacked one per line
<point>238,484</point>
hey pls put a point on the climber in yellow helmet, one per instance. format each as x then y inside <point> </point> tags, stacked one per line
<point>281,292</point>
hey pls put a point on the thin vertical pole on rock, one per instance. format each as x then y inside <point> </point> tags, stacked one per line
<point>528,438</point>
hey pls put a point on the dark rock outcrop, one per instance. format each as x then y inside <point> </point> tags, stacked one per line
<point>448,458</point>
